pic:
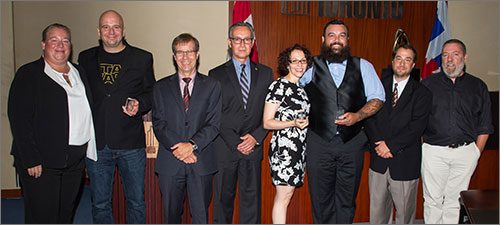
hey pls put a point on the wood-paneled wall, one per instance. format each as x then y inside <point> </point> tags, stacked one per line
<point>486,177</point>
<point>371,39</point>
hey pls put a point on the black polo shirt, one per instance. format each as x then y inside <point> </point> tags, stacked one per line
<point>460,111</point>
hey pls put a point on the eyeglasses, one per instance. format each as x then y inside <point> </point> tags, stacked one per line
<point>399,59</point>
<point>190,53</point>
<point>296,61</point>
<point>245,40</point>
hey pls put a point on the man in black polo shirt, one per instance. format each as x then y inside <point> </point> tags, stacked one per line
<point>456,134</point>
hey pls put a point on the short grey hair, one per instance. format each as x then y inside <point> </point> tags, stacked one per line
<point>241,24</point>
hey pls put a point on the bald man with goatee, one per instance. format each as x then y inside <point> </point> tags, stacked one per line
<point>121,79</point>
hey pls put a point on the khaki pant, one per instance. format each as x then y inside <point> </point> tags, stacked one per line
<point>386,193</point>
<point>445,173</point>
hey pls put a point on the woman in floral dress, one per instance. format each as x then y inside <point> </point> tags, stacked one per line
<point>285,112</point>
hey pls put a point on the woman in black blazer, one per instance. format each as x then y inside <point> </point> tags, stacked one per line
<point>52,128</point>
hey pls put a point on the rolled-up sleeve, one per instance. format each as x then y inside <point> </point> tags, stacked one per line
<point>371,82</point>
<point>485,124</point>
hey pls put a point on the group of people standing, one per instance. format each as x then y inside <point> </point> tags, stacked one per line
<point>322,110</point>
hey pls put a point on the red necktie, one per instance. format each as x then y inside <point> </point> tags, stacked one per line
<point>186,96</point>
<point>395,95</point>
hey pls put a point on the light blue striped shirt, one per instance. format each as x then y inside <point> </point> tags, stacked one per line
<point>237,66</point>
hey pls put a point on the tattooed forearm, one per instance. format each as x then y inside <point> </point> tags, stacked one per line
<point>370,108</point>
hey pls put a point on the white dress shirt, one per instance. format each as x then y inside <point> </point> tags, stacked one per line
<point>81,125</point>
<point>401,85</point>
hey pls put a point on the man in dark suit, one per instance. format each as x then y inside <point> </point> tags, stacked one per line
<point>239,145</point>
<point>186,120</point>
<point>395,142</point>
<point>121,79</point>
<point>51,122</point>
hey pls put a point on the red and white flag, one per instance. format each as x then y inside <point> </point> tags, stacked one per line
<point>440,34</point>
<point>242,13</point>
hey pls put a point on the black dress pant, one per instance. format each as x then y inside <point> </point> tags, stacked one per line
<point>52,197</point>
<point>173,191</point>
<point>245,174</point>
<point>334,172</point>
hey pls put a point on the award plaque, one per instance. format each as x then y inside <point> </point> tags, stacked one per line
<point>400,38</point>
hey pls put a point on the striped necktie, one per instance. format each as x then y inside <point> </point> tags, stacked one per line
<point>395,95</point>
<point>186,96</point>
<point>245,87</point>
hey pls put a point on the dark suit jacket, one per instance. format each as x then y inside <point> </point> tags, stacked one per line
<point>401,128</point>
<point>200,123</point>
<point>39,119</point>
<point>113,127</point>
<point>238,121</point>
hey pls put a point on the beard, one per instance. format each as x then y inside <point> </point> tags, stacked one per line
<point>401,71</point>
<point>332,57</point>
<point>455,73</point>
<point>402,74</point>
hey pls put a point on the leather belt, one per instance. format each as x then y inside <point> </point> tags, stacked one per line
<point>456,145</point>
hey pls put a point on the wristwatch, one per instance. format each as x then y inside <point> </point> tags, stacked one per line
<point>195,147</point>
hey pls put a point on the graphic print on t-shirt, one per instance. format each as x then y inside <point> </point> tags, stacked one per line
<point>109,72</point>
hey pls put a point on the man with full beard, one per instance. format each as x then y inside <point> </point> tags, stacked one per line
<point>343,91</point>
<point>457,131</point>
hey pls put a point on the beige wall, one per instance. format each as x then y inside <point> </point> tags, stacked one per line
<point>476,23</point>
<point>153,25</point>
<point>6,75</point>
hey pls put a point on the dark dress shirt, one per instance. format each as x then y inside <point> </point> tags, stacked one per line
<point>460,111</point>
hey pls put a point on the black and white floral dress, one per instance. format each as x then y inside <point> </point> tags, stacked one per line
<point>287,153</point>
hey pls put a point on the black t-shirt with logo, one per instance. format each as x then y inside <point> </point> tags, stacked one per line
<point>110,66</point>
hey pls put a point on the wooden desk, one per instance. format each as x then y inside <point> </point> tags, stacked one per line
<point>481,206</point>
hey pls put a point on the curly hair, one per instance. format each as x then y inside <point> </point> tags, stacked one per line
<point>284,58</point>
